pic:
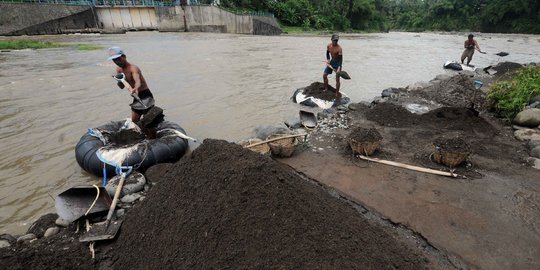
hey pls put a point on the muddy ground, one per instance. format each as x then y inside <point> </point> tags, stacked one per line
<point>227,207</point>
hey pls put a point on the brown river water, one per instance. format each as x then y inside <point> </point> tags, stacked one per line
<point>213,85</point>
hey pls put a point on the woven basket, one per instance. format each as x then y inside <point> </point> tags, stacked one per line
<point>284,147</point>
<point>450,159</point>
<point>364,148</point>
<point>263,149</point>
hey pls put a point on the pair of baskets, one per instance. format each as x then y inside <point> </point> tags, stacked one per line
<point>364,148</point>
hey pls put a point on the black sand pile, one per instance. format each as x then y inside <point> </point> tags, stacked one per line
<point>316,90</point>
<point>360,134</point>
<point>230,208</point>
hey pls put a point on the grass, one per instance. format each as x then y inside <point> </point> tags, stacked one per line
<point>31,44</point>
<point>511,96</point>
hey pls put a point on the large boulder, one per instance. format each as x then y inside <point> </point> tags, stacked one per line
<point>528,118</point>
<point>527,134</point>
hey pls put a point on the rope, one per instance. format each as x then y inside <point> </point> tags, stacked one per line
<point>95,200</point>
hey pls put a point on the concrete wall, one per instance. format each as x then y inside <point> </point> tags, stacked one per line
<point>33,19</point>
<point>129,18</point>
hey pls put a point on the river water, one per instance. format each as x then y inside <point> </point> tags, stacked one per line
<point>213,85</point>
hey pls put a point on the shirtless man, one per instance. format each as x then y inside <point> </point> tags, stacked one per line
<point>334,51</point>
<point>470,45</point>
<point>136,80</point>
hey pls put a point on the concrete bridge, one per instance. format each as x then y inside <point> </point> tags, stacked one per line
<point>36,19</point>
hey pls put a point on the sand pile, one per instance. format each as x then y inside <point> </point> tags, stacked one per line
<point>229,208</point>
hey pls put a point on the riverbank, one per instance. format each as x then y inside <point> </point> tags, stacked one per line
<point>227,207</point>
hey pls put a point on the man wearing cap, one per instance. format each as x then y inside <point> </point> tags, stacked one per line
<point>334,60</point>
<point>137,83</point>
<point>470,45</point>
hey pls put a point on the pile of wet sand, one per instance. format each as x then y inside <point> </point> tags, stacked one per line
<point>317,90</point>
<point>230,208</point>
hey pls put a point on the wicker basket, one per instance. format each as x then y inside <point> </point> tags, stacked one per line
<point>284,147</point>
<point>450,159</point>
<point>364,148</point>
<point>263,149</point>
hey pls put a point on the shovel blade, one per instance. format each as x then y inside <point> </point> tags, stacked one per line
<point>344,75</point>
<point>73,203</point>
<point>308,119</point>
<point>102,231</point>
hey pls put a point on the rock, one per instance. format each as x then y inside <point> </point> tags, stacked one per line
<point>536,163</point>
<point>535,152</point>
<point>527,134</point>
<point>528,118</point>
<point>26,237</point>
<point>533,105</point>
<point>4,243</point>
<point>416,108</point>
<point>51,231</point>
<point>442,77</point>
<point>388,92</point>
<point>130,198</point>
<point>534,99</point>
<point>342,108</point>
<point>418,85</point>
<point>532,144</point>
<point>120,213</point>
<point>39,227</point>
<point>516,127</point>
<point>293,122</point>
<point>133,183</point>
<point>146,188</point>
<point>62,222</point>
<point>8,237</point>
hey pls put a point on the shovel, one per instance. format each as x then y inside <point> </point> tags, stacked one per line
<point>308,119</point>
<point>477,86</point>
<point>76,202</point>
<point>121,77</point>
<point>106,230</point>
<point>342,74</point>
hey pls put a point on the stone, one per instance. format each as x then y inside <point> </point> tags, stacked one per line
<point>293,122</point>
<point>527,134</point>
<point>535,152</point>
<point>120,213</point>
<point>133,183</point>
<point>416,108</point>
<point>535,104</point>
<point>342,108</point>
<point>528,118</point>
<point>532,144</point>
<point>51,231</point>
<point>62,222</point>
<point>130,198</point>
<point>8,237</point>
<point>388,92</point>
<point>26,237</point>
<point>4,243</point>
<point>516,127</point>
<point>536,163</point>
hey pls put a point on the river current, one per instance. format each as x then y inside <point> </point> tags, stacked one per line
<point>213,85</point>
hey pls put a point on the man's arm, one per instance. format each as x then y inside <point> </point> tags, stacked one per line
<point>120,84</point>
<point>465,45</point>
<point>477,46</point>
<point>327,54</point>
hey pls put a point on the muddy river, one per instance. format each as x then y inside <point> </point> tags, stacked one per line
<point>213,85</point>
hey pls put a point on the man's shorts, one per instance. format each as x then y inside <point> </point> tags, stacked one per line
<point>328,70</point>
<point>147,99</point>
<point>467,53</point>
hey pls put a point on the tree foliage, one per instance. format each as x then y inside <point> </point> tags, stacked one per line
<point>411,15</point>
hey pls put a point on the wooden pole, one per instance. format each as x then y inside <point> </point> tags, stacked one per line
<point>410,167</point>
<point>275,139</point>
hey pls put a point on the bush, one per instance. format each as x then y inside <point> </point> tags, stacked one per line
<point>510,97</point>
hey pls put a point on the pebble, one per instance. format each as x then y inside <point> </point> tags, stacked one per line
<point>537,163</point>
<point>25,237</point>
<point>133,183</point>
<point>130,198</point>
<point>62,222</point>
<point>4,243</point>
<point>120,213</point>
<point>51,231</point>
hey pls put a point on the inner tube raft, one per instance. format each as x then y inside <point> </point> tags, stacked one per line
<point>310,101</point>
<point>121,143</point>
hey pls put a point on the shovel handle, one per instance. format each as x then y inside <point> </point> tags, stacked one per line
<point>116,196</point>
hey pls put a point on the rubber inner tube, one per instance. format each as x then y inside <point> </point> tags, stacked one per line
<point>138,152</point>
